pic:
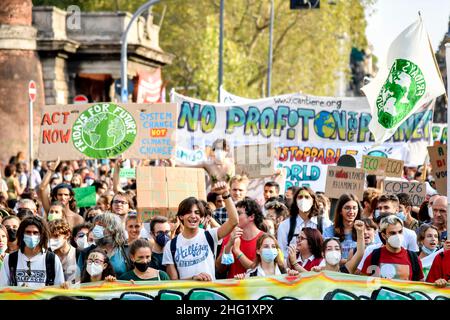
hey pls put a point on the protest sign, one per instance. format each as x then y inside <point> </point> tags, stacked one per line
<point>325,285</point>
<point>438,160</point>
<point>382,166</point>
<point>85,196</point>
<point>415,190</point>
<point>190,156</point>
<point>255,189</point>
<point>106,130</point>
<point>128,173</point>
<point>344,180</point>
<point>255,161</point>
<point>161,189</point>
<point>334,124</point>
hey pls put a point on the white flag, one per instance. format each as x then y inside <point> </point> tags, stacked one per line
<point>408,79</point>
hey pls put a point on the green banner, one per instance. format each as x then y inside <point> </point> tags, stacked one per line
<point>308,286</point>
<point>85,197</point>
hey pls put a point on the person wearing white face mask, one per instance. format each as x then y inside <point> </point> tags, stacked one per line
<point>268,260</point>
<point>32,265</point>
<point>332,253</point>
<point>59,243</point>
<point>391,260</point>
<point>304,212</point>
<point>97,267</point>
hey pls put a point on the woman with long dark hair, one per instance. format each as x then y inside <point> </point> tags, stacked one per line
<point>307,253</point>
<point>304,212</point>
<point>348,209</point>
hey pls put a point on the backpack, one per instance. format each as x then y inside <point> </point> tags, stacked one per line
<point>413,258</point>
<point>173,246</point>
<point>49,268</point>
<point>292,228</point>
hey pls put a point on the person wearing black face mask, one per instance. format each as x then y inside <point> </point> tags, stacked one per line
<point>11,224</point>
<point>160,230</point>
<point>141,254</point>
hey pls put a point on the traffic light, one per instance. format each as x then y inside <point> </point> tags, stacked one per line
<point>305,4</point>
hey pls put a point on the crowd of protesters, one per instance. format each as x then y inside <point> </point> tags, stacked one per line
<point>46,239</point>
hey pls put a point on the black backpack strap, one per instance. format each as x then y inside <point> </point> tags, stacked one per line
<point>414,265</point>
<point>254,273</point>
<point>210,240</point>
<point>125,250</point>
<point>173,249</point>
<point>12,263</point>
<point>50,268</point>
<point>375,260</point>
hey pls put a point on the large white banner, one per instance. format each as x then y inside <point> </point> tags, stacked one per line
<point>310,132</point>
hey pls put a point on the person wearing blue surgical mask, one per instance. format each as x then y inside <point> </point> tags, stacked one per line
<point>161,235</point>
<point>269,260</point>
<point>109,236</point>
<point>428,239</point>
<point>30,268</point>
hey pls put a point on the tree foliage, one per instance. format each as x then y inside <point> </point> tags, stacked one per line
<point>311,48</point>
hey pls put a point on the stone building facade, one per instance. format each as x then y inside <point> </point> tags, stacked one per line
<point>76,53</point>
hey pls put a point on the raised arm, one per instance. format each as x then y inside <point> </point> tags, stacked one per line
<point>43,187</point>
<point>222,188</point>
<point>360,247</point>
<point>116,176</point>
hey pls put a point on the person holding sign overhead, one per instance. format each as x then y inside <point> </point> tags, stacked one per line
<point>220,166</point>
<point>63,193</point>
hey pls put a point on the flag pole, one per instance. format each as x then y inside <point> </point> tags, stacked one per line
<point>447,55</point>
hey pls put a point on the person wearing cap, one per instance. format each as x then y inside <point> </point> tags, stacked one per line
<point>63,193</point>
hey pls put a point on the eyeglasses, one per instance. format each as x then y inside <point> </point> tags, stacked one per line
<point>350,208</point>
<point>119,202</point>
<point>299,239</point>
<point>96,261</point>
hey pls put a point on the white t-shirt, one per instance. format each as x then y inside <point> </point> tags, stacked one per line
<point>192,256</point>
<point>38,271</point>
<point>409,243</point>
<point>283,230</point>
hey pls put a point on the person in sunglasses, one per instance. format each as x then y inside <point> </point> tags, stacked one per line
<point>32,265</point>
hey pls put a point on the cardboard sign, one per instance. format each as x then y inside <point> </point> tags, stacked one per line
<point>85,197</point>
<point>161,189</point>
<point>255,161</point>
<point>129,173</point>
<point>438,160</point>
<point>342,180</point>
<point>382,166</point>
<point>107,130</point>
<point>255,189</point>
<point>416,190</point>
<point>192,157</point>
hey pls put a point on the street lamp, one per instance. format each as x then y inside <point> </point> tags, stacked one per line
<point>123,50</point>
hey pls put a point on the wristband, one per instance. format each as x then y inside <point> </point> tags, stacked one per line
<point>240,255</point>
<point>226,197</point>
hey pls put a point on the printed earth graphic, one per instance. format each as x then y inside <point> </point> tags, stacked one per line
<point>324,124</point>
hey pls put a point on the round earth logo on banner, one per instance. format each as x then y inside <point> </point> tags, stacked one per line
<point>104,131</point>
<point>403,88</point>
